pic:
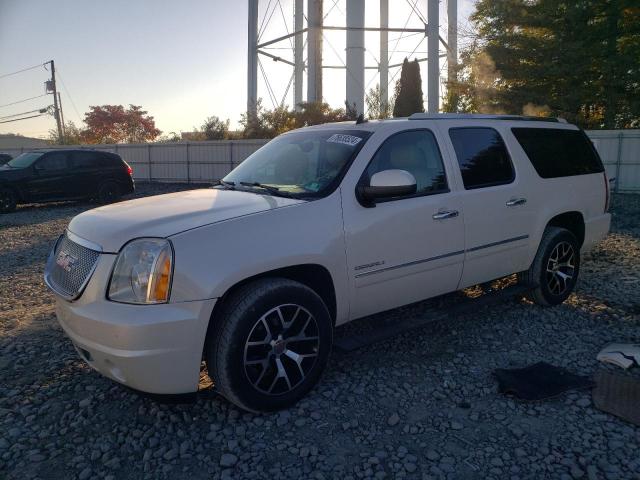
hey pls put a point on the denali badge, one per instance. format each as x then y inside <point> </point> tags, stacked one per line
<point>66,261</point>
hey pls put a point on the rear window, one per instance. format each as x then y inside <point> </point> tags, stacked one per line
<point>558,153</point>
<point>482,156</point>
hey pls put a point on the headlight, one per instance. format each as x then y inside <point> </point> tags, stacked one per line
<point>142,273</point>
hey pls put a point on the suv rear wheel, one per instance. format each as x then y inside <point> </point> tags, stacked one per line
<point>269,345</point>
<point>108,192</point>
<point>8,200</point>
<point>555,269</point>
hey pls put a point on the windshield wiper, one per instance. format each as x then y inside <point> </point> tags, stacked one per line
<point>227,185</point>
<point>260,185</point>
<point>269,188</point>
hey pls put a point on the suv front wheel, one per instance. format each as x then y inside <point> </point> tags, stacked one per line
<point>554,271</point>
<point>270,343</point>
<point>8,200</point>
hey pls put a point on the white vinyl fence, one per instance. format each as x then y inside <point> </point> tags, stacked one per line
<point>620,153</point>
<point>207,161</point>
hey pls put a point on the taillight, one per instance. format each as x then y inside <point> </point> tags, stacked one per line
<point>607,200</point>
<point>130,171</point>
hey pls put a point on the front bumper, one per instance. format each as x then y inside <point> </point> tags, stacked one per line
<point>151,348</point>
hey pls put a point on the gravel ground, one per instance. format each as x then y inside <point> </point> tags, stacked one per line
<point>423,405</point>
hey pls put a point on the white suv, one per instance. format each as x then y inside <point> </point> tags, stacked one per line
<point>321,226</point>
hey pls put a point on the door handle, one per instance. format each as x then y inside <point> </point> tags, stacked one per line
<point>516,201</point>
<point>445,214</point>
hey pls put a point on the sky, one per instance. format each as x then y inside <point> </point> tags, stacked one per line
<point>182,61</point>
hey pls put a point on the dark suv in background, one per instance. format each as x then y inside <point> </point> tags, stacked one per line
<point>54,175</point>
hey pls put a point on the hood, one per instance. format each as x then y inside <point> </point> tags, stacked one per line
<point>9,173</point>
<point>114,225</point>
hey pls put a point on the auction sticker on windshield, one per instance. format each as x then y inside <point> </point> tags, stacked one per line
<point>350,140</point>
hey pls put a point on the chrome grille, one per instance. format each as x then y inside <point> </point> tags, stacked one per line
<point>69,267</point>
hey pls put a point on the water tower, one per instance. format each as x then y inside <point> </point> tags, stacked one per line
<point>312,25</point>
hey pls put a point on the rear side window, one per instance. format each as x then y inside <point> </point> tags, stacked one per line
<point>558,153</point>
<point>482,156</point>
<point>53,161</point>
<point>86,160</point>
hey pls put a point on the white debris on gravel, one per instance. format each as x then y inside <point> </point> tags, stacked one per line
<point>422,405</point>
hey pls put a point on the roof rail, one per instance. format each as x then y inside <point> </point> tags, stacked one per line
<point>482,116</point>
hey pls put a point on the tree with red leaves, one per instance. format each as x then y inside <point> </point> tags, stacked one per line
<point>115,124</point>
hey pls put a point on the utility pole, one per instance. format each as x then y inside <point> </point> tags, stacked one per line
<point>64,132</point>
<point>56,107</point>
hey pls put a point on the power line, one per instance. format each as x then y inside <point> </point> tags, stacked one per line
<point>73,104</point>
<point>23,100</point>
<point>25,118</point>
<point>40,110</point>
<point>20,71</point>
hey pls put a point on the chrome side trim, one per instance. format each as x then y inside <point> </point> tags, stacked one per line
<point>439,257</point>
<point>501,242</point>
<point>81,241</point>
<point>409,264</point>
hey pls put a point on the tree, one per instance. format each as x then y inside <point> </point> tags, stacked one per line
<point>215,129</point>
<point>73,135</point>
<point>409,90</point>
<point>270,123</point>
<point>577,60</point>
<point>115,124</point>
<point>375,107</point>
<point>171,137</point>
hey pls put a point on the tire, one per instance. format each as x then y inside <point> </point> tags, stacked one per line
<point>554,271</point>
<point>242,361</point>
<point>108,192</point>
<point>8,200</point>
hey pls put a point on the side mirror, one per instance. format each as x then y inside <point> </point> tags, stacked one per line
<point>387,184</point>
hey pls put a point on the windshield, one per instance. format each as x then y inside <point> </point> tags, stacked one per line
<point>306,163</point>
<point>24,160</point>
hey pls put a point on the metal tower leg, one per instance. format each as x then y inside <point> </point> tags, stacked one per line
<point>252,60</point>
<point>433,62</point>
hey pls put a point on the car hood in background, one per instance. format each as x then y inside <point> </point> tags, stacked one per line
<point>10,173</point>
<point>114,225</point>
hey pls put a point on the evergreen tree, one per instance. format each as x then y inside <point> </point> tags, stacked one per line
<point>577,60</point>
<point>409,90</point>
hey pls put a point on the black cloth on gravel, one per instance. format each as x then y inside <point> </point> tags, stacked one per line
<point>538,381</point>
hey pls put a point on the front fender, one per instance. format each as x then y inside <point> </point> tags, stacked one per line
<point>212,259</point>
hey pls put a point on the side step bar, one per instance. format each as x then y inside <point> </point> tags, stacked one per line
<point>385,331</point>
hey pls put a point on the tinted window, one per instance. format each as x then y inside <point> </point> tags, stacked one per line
<point>416,152</point>
<point>482,156</point>
<point>86,159</point>
<point>53,161</point>
<point>558,153</point>
<point>24,160</point>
